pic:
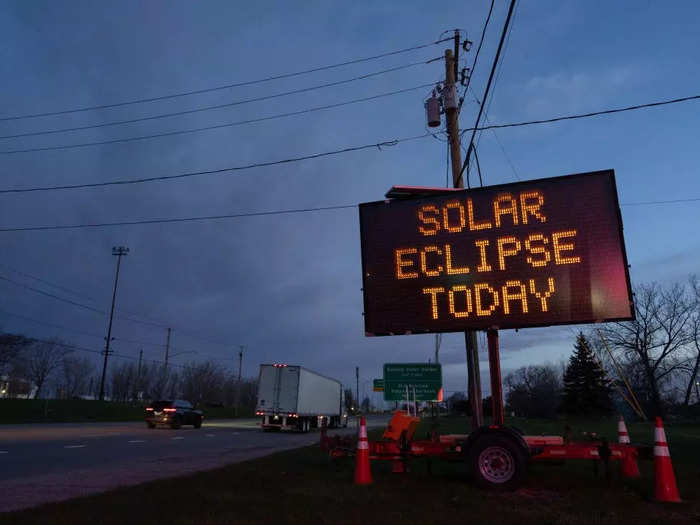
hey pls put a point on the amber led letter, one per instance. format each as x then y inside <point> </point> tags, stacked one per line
<point>534,249</point>
<point>480,311</point>
<point>521,295</point>
<point>507,247</point>
<point>564,247</point>
<point>473,224</point>
<point>451,297</point>
<point>433,298</point>
<point>401,264</point>
<point>543,296</point>
<point>505,204</point>
<point>462,222</point>
<point>484,266</point>
<point>530,203</point>
<point>431,224</point>
<point>430,272</point>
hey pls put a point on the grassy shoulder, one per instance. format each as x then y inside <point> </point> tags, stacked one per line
<point>79,410</point>
<point>305,486</point>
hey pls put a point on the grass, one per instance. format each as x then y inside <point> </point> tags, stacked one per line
<point>304,486</point>
<point>79,410</point>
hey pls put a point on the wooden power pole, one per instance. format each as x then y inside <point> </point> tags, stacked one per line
<point>451,102</point>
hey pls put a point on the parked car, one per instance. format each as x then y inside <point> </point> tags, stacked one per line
<point>173,413</point>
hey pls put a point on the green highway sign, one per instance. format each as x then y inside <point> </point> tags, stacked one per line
<point>379,385</point>
<point>425,379</point>
<point>413,372</point>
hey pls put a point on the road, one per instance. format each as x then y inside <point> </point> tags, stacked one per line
<point>40,463</point>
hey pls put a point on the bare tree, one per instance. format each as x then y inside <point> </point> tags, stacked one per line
<point>42,359</point>
<point>123,379</point>
<point>534,391</point>
<point>654,346</point>
<point>11,346</point>
<point>160,381</point>
<point>203,382</point>
<point>76,375</point>
<point>693,367</point>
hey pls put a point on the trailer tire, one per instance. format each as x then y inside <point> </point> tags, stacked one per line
<point>497,462</point>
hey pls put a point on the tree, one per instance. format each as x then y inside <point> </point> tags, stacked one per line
<point>203,383</point>
<point>76,375</point>
<point>365,405</point>
<point>123,379</point>
<point>349,399</point>
<point>11,346</point>
<point>43,358</point>
<point>587,389</point>
<point>693,367</point>
<point>533,391</point>
<point>654,347</point>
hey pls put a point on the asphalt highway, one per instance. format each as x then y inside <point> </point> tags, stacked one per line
<point>40,463</point>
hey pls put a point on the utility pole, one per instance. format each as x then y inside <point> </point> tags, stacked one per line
<point>138,373</point>
<point>357,387</point>
<point>167,348</point>
<point>119,251</point>
<point>452,117</point>
<point>238,386</point>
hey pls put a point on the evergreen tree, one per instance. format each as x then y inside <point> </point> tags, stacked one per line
<point>587,389</point>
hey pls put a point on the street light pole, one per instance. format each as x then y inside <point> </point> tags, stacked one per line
<point>119,251</point>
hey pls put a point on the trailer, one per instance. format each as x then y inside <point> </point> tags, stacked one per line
<point>291,397</point>
<point>497,456</point>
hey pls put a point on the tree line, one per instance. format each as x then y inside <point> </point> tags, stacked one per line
<point>50,369</point>
<point>653,360</point>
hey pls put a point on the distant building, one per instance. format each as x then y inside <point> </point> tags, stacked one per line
<point>16,388</point>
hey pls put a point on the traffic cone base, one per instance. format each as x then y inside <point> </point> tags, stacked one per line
<point>363,472</point>
<point>665,479</point>
<point>622,435</point>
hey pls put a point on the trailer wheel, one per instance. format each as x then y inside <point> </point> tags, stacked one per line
<point>497,462</point>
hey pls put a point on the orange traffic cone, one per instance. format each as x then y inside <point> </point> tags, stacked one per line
<point>622,435</point>
<point>363,473</point>
<point>666,490</point>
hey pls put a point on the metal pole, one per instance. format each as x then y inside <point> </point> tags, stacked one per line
<point>118,251</point>
<point>238,385</point>
<point>357,387</point>
<point>167,348</point>
<point>452,113</point>
<point>495,372</point>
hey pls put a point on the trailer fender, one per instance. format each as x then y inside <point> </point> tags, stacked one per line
<point>509,432</point>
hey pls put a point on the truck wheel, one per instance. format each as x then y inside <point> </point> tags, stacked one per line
<point>497,462</point>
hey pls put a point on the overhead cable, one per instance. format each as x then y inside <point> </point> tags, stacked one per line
<point>227,86</point>
<point>211,107</point>
<point>217,126</point>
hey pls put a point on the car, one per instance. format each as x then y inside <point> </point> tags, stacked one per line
<point>174,414</point>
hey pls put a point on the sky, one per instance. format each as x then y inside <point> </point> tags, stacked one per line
<point>288,287</point>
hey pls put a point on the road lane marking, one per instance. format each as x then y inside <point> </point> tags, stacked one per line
<point>209,435</point>
<point>74,446</point>
<point>235,433</point>
<point>3,451</point>
<point>137,441</point>
<point>178,437</point>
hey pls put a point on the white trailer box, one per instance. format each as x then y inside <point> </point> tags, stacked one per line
<point>295,398</point>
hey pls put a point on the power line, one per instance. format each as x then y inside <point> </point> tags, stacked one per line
<point>486,91</point>
<point>586,115</point>
<point>58,298</point>
<point>212,107</point>
<point>217,126</point>
<point>227,86</point>
<point>242,215</point>
<point>378,145</point>
<point>48,283</point>
<point>179,219</point>
<point>476,55</point>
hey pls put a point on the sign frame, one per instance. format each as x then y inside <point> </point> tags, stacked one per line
<point>448,192</point>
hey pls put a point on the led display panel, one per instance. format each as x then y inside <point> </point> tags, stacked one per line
<point>534,253</point>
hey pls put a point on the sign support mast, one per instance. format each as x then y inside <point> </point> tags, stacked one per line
<point>452,117</point>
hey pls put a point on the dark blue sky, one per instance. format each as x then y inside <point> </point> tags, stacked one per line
<point>288,287</point>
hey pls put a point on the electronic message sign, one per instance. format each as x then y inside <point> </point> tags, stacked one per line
<point>535,253</point>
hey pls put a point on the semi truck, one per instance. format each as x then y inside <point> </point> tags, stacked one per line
<point>291,397</point>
